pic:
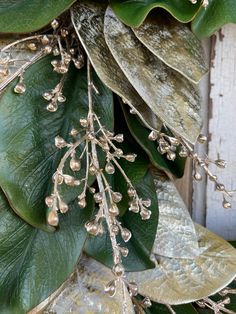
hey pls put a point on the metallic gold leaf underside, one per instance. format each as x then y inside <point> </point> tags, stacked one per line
<point>183,280</point>
<point>190,264</point>
<point>88,20</point>
<point>174,44</point>
<point>176,235</point>
<point>168,94</point>
<point>85,293</point>
<point>20,57</point>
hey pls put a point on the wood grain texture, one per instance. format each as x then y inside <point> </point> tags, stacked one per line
<point>222,129</point>
<point>185,185</point>
<point>198,198</point>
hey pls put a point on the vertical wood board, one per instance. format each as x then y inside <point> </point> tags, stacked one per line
<point>199,188</point>
<point>222,130</point>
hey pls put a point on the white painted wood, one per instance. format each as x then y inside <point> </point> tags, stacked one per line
<point>199,188</point>
<point>222,129</point>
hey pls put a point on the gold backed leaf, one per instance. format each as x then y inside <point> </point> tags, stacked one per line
<point>174,44</point>
<point>191,264</point>
<point>176,235</point>
<point>169,95</point>
<point>84,293</point>
<point>184,280</point>
<point>88,20</point>
<point>15,59</point>
<point>185,271</point>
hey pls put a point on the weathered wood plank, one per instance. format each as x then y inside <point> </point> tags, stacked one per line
<point>199,188</point>
<point>184,185</point>
<point>222,130</point>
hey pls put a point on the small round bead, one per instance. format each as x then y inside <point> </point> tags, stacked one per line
<point>20,88</point>
<point>75,164</point>
<point>125,234</point>
<point>49,200</point>
<point>53,218</point>
<point>118,270</point>
<point>110,288</point>
<point>109,168</point>
<point>82,202</point>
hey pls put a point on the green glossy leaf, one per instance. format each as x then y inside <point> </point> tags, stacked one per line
<point>232,295</point>
<point>174,44</point>
<point>143,234</point>
<point>163,309</point>
<point>133,12</point>
<point>22,16</point>
<point>171,97</point>
<point>204,311</point>
<point>88,20</point>
<point>28,157</point>
<point>143,231</point>
<point>140,133</point>
<point>135,171</point>
<point>213,17</point>
<point>34,263</point>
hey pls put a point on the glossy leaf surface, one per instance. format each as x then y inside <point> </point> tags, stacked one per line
<point>143,234</point>
<point>211,19</point>
<point>170,96</point>
<point>34,263</point>
<point>88,20</point>
<point>189,265</point>
<point>163,309</point>
<point>28,156</point>
<point>143,231</point>
<point>10,70</point>
<point>85,293</point>
<point>22,16</point>
<point>133,13</point>
<point>176,235</point>
<point>140,133</point>
<point>174,44</point>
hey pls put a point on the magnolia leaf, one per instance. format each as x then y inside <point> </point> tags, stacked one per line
<point>194,267</point>
<point>134,172</point>
<point>213,17</point>
<point>178,309</point>
<point>22,57</point>
<point>133,13</point>
<point>88,20</point>
<point>176,235</point>
<point>174,44</point>
<point>28,156</point>
<point>85,292</point>
<point>226,294</point>
<point>143,234</point>
<point>165,309</point>
<point>139,168</point>
<point>188,280</point>
<point>34,263</point>
<point>140,133</point>
<point>23,16</point>
<point>169,95</point>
